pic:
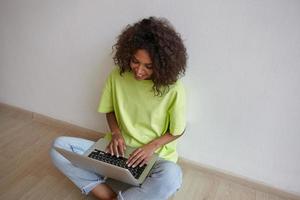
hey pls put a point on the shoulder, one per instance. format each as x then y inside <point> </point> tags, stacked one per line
<point>115,72</point>
<point>176,92</point>
<point>177,87</point>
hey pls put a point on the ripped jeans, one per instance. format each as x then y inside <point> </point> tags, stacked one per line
<point>165,177</point>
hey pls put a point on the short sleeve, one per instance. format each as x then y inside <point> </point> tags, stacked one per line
<point>177,112</point>
<point>106,101</point>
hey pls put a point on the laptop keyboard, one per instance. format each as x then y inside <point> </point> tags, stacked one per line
<point>118,161</point>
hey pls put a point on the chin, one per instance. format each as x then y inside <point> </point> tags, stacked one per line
<point>139,78</point>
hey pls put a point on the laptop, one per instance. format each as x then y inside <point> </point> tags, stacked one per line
<point>96,160</point>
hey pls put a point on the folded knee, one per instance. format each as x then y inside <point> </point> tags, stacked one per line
<point>174,176</point>
<point>171,175</point>
<point>59,141</point>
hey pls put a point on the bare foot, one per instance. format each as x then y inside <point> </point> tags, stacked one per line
<point>104,192</point>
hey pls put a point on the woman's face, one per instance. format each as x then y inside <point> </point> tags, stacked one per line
<point>141,65</point>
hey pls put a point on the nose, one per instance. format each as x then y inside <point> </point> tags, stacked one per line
<point>139,69</point>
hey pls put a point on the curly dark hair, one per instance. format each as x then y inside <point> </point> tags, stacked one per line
<point>164,45</point>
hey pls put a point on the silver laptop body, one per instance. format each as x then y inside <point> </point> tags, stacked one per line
<point>105,169</point>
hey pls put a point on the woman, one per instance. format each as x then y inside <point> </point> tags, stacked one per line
<point>144,103</point>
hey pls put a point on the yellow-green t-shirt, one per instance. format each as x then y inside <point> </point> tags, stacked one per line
<point>142,116</point>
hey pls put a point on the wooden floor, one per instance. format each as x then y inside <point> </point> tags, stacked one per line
<point>26,171</point>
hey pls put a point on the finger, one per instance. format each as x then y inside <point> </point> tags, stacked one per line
<point>136,159</point>
<point>132,161</point>
<point>136,152</point>
<point>121,149</point>
<point>111,149</point>
<point>107,150</point>
<point>143,163</point>
<point>116,148</point>
<point>132,155</point>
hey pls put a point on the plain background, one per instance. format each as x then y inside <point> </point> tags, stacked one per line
<point>242,81</point>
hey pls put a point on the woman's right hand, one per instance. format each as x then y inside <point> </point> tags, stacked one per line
<point>117,145</point>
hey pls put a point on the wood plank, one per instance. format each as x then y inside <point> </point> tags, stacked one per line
<point>197,185</point>
<point>27,172</point>
<point>20,188</point>
<point>229,190</point>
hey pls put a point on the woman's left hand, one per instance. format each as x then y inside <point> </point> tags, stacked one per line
<point>141,156</point>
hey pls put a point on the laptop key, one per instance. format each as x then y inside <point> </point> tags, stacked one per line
<point>117,161</point>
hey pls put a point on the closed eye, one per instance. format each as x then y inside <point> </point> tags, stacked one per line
<point>135,61</point>
<point>149,66</point>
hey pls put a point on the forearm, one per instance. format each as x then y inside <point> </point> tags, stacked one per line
<point>142,155</point>
<point>164,139</point>
<point>112,123</point>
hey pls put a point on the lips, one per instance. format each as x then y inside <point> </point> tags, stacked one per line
<point>138,76</point>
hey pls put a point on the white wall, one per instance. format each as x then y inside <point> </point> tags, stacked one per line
<point>243,77</point>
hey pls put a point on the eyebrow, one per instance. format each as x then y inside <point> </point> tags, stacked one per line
<point>140,61</point>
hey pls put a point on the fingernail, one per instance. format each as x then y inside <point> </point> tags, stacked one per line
<point>133,166</point>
